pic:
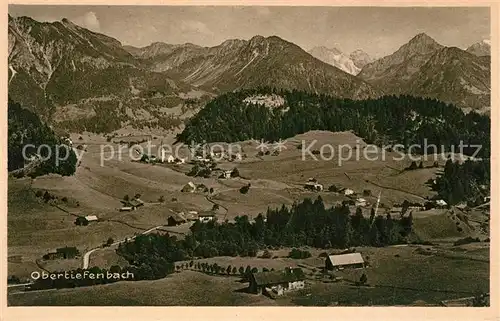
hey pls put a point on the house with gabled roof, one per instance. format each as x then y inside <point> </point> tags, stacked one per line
<point>342,261</point>
<point>277,282</point>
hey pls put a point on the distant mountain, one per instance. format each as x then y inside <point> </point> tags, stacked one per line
<point>391,73</point>
<point>482,48</point>
<point>335,58</point>
<point>360,58</point>
<point>84,80</point>
<point>454,76</point>
<point>426,68</point>
<point>260,61</point>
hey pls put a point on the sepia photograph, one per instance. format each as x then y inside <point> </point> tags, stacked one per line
<point>310,156</point>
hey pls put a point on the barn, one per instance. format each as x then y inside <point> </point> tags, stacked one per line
<point>342,261</point>
<point>176,219</point>
<point>277,282</point>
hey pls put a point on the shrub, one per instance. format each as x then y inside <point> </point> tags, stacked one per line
<point>110,241</point>
<point>39,193</point>
<point>267,254</point>
<point>298,254</point>
<point>323,254</point>
<point>466,240</point>
<point>64,199</point>
<point>161,199</point>
<point>245,189</point>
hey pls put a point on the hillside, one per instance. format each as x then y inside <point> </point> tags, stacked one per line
<point>81,80</point>
<point>454,76</point>
<point>388,120</point>
<point>25,128</point>
<point>482,48</point>
<point>425,68</point>
<point>260,61</point>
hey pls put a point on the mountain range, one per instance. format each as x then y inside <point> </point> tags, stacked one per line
<point>482,48</point>
<point>426,68</point>
<point>74,78</point>
<point>351,64</point>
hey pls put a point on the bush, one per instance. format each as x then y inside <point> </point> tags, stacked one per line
<point>110,241</point>
<point>466,240</point>
<point>245,189</point>
<point>64,199</point>
<point>332,188</point>
<point>161,199</point>
<point>267,254</point>
<point>39,193</point>
<point>323,254</point>
<point>298,254</point>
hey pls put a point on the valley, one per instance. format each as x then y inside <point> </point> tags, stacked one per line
<point>247,171</point>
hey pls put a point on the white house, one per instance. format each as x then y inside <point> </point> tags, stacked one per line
<point>277,282</point>
<point>348,191</point>
<point>441,203</point>
<point>361,202</point>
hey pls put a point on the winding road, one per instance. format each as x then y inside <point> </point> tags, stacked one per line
<point>86,256</point>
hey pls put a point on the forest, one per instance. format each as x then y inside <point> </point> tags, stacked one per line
<point>467,182</point>
<point>25,127</point>
<point>387,120</point>
<point>306,223</point>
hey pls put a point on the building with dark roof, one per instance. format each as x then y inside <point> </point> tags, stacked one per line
<point>176,219</point>
<point>277,282</point>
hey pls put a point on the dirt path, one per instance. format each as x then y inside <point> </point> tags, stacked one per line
<point>86,256</point>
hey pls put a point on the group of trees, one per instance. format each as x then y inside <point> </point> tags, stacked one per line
<point>308,223</point>
<point>387,120</point>
<point>25,127</point>
<point>469,182</point>
<point>217,269</point>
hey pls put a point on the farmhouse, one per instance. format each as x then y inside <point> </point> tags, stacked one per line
<point>348,191</point>
<point>341,261</point>
<point>91,218</point>
<point>441,203</point>
<point>313,186</point>
<point>226,174</point>
<point>277,282</point>
<point>131,205</point>
<point>206,217</point>
<point>176,219</point>
<point>189,188</point>
<point>361,202</point>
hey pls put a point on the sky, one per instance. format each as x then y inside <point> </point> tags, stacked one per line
<point>379,31</point>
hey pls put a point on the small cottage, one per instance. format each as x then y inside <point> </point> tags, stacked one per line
<point>277,282</point>
<point>342,261</point>
<point>91,218</point>
<point>313,186</point>
<point>206,217</point>
<point>176,219</point>
<point>189,188</point>
<point>348,192</point>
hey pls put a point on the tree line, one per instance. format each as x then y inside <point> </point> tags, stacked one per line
<point>387,120</point>
<point>25,127</point>
<point>307,223</point>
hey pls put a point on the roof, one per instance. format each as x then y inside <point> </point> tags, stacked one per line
<point>276,277</point>
<point>346,259</point>
<point>178,217</point>
<point>135,202</point>
<point>91,218</point>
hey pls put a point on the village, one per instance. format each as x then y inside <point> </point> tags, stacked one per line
<point>216,187</point>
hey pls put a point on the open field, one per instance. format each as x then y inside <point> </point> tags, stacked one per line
<point>36,228</point>
<point>394,275</point>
